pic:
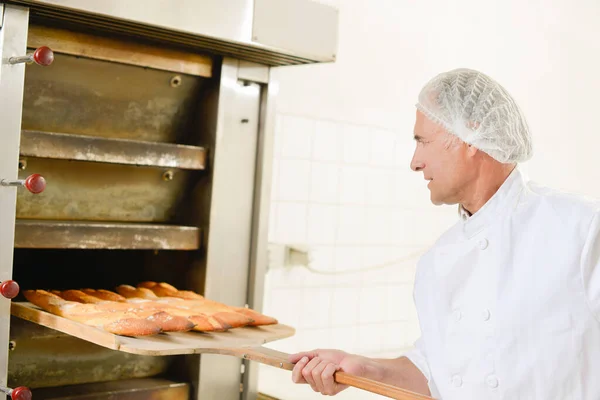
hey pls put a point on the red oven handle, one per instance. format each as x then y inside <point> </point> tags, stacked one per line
<point>9,289</point>
<point>34,183</point>
<point>20,393</point>
<point>41,56</point>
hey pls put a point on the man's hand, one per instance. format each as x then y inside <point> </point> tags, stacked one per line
<point>318,366</point>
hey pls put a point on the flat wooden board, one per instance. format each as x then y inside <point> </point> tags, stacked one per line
<point>157,345</point>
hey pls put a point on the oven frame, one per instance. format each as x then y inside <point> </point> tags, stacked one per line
<point>236,242</point>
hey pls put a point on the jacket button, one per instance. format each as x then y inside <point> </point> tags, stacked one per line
<point>486,314</point>
<point>456,381</point>
<point>483,244</point>
<point>457,315</point>
<point>492,381</point>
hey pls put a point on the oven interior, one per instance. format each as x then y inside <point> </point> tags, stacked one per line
<point>124,202</point>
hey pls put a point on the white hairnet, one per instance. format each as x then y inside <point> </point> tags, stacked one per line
<point>480,112</point>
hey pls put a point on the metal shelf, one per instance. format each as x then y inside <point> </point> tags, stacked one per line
<point>131,389</point>
<point>104,235</point>
<point>115,151</point>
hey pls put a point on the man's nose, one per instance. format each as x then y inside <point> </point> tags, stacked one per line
<point>415,164</point>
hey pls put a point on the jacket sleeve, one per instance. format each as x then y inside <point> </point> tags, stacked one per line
<point>417,356</point>
<point>590,266</point>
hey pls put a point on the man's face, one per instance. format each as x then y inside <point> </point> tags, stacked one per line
<point>446,162</point>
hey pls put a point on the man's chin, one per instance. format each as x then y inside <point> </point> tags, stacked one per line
<point>435,201</point>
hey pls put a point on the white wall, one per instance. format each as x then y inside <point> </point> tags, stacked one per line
<point>344,140</point>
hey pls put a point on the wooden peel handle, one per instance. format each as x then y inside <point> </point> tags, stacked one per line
<point>393,392</point>
<point>279,359</point>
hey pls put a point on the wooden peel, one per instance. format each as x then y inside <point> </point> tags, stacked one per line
<point>245,343</point>
<point>279,359</point>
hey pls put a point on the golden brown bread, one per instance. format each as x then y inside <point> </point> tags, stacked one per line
<point>202,323</point>
<point>150,308</point>
<point>105,295</point>
<point>205,321</point>
<point>117,322</point>
<point>222,313</point>
<point>129,292</point>
<point>258,318</point>
<point>166,321</point>
<point>163,289</point>
<point>78,296</point>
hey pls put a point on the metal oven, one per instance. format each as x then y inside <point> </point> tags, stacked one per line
<point>152,126</point>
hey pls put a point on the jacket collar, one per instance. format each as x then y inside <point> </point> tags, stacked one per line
<point>495,206</point>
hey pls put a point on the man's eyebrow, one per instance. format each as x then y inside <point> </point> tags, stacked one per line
<point>417,137</point>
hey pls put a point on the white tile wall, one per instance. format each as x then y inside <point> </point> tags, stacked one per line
<point>327,141</point>
<point>322,224</point>
<point>297,137</point>
<point>291,223</point>
<point>294,180</point>
<point>353,184</point>
<point>355,144</point>
<point>325,182</point>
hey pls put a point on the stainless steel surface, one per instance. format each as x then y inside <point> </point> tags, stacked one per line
<point>87,100</point>
<point>1,14</point>
<point>78,235</point>
<point>44,357</point>
<point>232,205</point>
<point>87,191</point>
<point>13,40</point>
<point>229,240</point>
<point>304,27</point>
<point>228,19</point>
<point>253,72</point>
<point>116,151</point>
<point>130,389</point>
<point>220,26</point>
<point>260,223</point>
<point>22,59</point>
<point>18,183</point>
<point>105,99</point>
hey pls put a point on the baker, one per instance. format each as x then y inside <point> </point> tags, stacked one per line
<point>508,298</point>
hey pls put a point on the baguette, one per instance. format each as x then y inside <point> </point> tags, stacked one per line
<point>258,318</point>
<point>105,295</point>
<point>165,290</point>
<point>220,312</point>
<point>116,322</point>
<point>166,321</point>
<point>78,296</point>
<point>204,322</point>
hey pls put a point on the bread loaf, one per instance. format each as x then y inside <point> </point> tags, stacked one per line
<point>166,321</point>
<point>163,289</point>
<point>258,318</point>
<point>144,298</point>
<point>117,322</point>
<point>218,311</point>
<point>105,295</point>
<point>150,308</point>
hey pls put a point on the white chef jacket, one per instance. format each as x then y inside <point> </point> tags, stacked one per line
<point>508,299</point>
